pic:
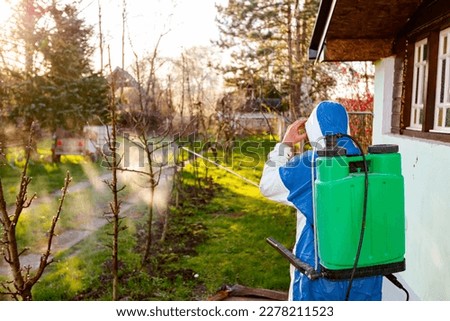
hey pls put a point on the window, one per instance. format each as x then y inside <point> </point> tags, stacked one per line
<point>421,95</point>
<point>442,108</point>
<point>420,82</point>
<point>423,110</point>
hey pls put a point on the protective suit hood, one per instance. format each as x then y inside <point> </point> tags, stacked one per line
<point>327,118</point>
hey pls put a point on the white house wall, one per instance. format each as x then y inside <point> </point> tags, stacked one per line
<point>426,170</point>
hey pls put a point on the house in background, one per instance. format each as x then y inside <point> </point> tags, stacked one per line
<point>261,115</point>
<point>409,43</point>
<point>250,115</point>
<point>128,87</point>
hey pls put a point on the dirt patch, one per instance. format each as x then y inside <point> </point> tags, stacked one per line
<point>230,214</point>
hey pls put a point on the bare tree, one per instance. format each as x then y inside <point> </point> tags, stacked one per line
<point>152,134</point>
<point>112,161</point>
<point>226,120</point>
<point>100,34</point>
<point>24,278</point>
<point>196,85</point>
<point>153,171</point>
<point>149,117</point>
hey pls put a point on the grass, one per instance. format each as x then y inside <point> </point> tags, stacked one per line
<point>83,269</point>
<point>79,210</point>
<point>47,180</point>
<point>47,177</point>
<point>238,220</point>
<point>216,236</point>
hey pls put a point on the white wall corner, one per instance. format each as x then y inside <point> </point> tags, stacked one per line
<point>383,97</point>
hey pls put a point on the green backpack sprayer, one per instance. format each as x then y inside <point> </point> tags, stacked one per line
<point>359,217</point>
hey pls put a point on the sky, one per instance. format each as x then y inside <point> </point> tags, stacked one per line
<point>185,23</point>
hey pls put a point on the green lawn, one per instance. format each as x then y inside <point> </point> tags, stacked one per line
<point>47,176</point>
<point>238,220</point>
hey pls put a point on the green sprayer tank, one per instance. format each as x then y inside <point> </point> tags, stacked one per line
<point>339,202</point>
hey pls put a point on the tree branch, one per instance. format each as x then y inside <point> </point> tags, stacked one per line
<point>132,171</point>
<point>23,251</point>
<point>21,199</point>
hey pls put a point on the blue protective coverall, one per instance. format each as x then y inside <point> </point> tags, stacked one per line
<point>287,179</point>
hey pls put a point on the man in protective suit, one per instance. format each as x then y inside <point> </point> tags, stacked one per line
<point>288,179</point>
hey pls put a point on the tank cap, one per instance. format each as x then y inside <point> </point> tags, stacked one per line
<point>383,149</point>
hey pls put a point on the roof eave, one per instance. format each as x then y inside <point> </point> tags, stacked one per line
<point>324,15</point>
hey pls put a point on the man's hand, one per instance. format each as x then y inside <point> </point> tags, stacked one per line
<point>293,133</point>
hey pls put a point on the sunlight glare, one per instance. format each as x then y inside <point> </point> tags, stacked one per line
<point>5,11</point>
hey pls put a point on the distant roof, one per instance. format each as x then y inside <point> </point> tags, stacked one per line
<point>359,29</point>
<point>122,78</point>
<point>262,105</point>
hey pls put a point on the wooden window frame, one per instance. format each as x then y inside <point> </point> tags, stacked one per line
<point>431,31</point>
<point>442,105</point>
<point>419,84</point>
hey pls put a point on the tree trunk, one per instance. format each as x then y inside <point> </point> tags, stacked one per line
<point>148,244</point>
<point>292,105</point>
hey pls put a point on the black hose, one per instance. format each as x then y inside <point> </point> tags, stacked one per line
<point>364,214</point>
<point>393,279</point>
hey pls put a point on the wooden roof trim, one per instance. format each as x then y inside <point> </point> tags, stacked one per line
<point>338,21</point>
<point>357,49</point>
